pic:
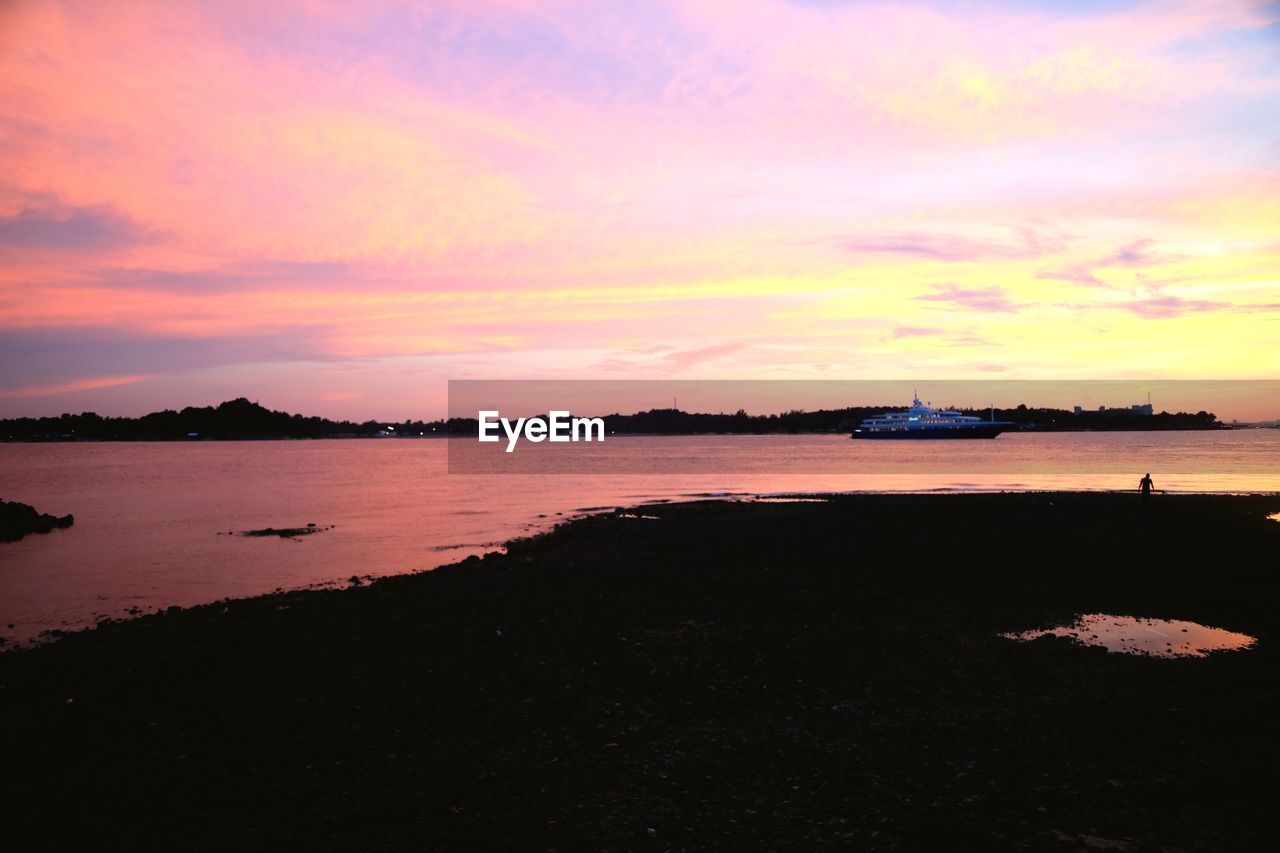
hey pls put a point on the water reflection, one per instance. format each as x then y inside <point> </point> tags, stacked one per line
<point>1166,638</point>
<point>147,513</point>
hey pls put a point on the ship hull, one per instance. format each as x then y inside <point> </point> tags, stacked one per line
<point>980,431</point>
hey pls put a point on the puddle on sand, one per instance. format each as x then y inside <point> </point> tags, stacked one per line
<point>1164,638</point>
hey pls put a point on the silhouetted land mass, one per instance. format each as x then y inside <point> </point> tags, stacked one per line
<point>728,676</point>
<point>19,519</point>
<point>242,419</point>
<point>234,419</point>
<point>658,421</point>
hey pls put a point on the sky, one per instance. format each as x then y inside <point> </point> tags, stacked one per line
<point>334,208</point>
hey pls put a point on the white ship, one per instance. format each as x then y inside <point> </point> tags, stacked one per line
<point>924,421</point>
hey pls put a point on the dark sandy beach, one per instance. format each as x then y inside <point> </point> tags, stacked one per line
<point>723,676</point>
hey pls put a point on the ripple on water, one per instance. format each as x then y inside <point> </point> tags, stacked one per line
<point>1166,638</point>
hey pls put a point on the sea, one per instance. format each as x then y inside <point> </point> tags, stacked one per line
<point>159,524</point>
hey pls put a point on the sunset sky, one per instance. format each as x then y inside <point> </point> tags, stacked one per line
<point>334,208</point>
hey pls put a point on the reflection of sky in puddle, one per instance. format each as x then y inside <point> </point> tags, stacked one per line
<point>1132,635</point>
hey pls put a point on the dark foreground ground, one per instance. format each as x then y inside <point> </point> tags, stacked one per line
<point>740,676</point>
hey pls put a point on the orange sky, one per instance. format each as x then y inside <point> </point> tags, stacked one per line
<point>334,208</point>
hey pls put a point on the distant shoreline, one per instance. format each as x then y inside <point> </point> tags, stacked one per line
<point>437,436</point>
<point>241,419</point>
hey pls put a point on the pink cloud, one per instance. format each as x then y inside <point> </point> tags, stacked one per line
<point>915,331</point>
<point>1165,307</point>
<point>71,387</point>
<point>685,359</point>
<point>1136,254</point>
<point>995,299</point>
<point>1024,241</point>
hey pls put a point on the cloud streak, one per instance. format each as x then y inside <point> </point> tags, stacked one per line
<point>1134,255</point>
<point>1025,242</point>
<point>1166,307</point>
<point>915,331</point>
<point>75,228</point>
<point>73,387</point>
<point>987,299</point>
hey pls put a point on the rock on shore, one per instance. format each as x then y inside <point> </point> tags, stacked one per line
<point>18,519</point>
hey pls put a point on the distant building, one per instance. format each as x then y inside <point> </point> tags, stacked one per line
<point>1135,409</point>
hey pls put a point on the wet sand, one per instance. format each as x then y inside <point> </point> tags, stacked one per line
<point>721,675</point>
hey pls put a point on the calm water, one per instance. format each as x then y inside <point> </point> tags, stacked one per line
<point>149,515</point>
<point>1161,638</point>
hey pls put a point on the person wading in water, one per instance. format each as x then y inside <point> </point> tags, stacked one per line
<point>1145,485</point>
